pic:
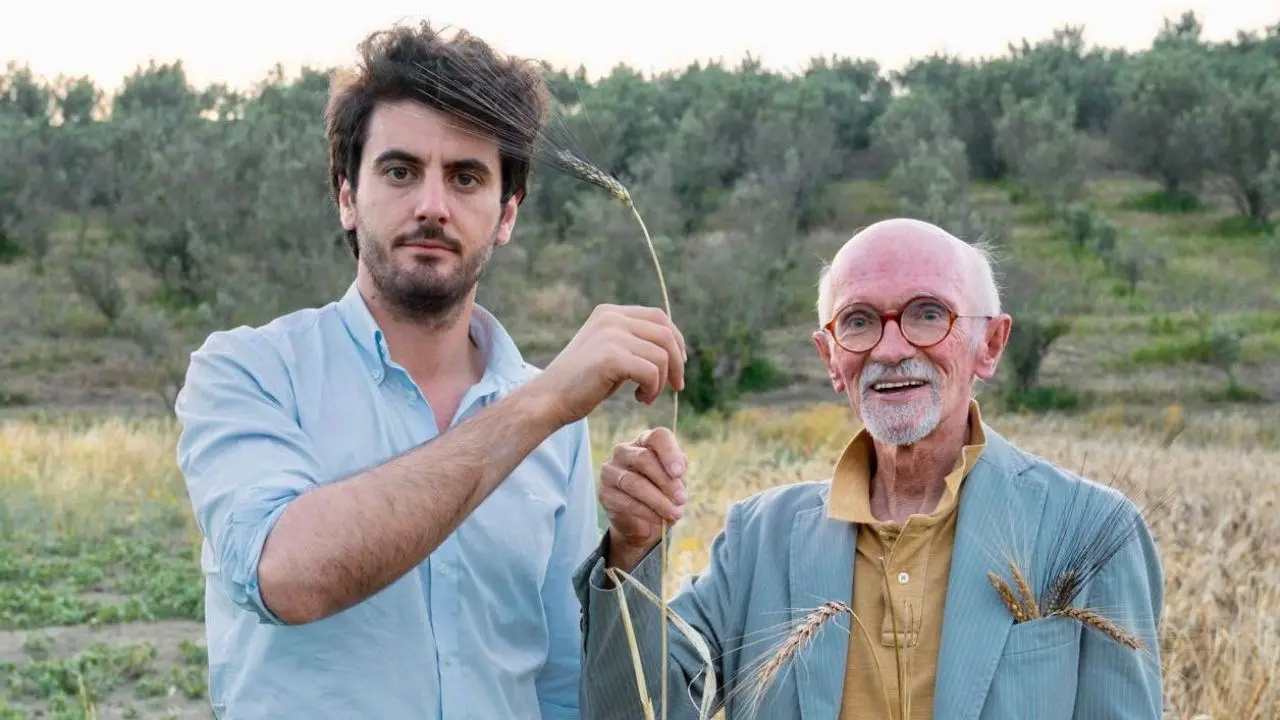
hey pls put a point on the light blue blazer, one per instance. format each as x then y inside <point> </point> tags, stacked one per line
<point>780,556</point>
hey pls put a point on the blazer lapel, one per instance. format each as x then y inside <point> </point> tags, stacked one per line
<point>999,516</point>
<point>821,570</point>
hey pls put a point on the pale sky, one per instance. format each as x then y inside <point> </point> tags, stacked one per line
<point>238,41</point>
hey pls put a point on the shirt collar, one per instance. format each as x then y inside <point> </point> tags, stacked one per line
<point>850,498</point>
<point>503,360</point>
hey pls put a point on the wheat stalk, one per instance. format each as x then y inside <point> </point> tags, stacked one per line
<point>1024,590</point>
<point>1024,609</point>
<point>796,640</point>
<point>1092,530</point>
<point>1015,606</point>
<point>645,703</point>
<point>595,176</point>
<point>1096,621</point>
<point>692,635</point>
<point>809,626</point>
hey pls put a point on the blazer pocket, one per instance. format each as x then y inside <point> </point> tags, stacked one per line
<point>1036,677</point>
<point>1039,636</point>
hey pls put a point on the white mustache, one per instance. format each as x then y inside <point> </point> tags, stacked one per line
<point>912,367</point>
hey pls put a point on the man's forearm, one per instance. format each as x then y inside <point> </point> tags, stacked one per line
<point>339,544</point>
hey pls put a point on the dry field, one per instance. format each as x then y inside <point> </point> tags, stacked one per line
<point>100,592</point>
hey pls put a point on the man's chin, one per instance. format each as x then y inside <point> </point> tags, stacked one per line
<point>896,424</point>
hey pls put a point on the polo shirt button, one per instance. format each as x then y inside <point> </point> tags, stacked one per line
<point>903,578</point>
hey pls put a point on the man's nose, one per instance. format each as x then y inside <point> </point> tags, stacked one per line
<point>893,348</point>
<point>432,201</point>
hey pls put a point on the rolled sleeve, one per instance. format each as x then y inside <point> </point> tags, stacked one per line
<point>242,454</point>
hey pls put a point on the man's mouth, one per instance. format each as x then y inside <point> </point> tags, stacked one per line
<point>428,245</point>
<point>890,387</point>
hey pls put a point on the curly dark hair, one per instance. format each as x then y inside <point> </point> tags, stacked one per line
<point>453,75</point>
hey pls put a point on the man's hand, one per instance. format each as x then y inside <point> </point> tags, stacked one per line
<point>616,345</point>
<point>642,485</point>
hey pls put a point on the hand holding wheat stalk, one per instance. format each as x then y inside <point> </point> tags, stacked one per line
<point>595,176</point>
<point>485,111</point>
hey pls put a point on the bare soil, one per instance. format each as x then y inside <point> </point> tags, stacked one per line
<point>59,643</point>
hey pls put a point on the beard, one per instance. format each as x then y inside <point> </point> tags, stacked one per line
<point>901,423</point>
<point>423,292</point>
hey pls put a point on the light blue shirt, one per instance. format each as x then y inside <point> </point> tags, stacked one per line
<point>486,628</point>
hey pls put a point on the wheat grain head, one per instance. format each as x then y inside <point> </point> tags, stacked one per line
<point>1006,595</point>
<point>594,175</point>
<point>1098,622</point>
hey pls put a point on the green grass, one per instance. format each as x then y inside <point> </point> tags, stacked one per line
<point>101,594</point>
<point>1161,202</point>
<point>97,579</point>
<point>67,687</point>
<point>126,577</point>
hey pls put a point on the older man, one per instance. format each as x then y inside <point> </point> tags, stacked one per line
<point>924,504</point>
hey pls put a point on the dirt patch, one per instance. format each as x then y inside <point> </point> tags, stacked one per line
<point>146,686</point>
<point>67,641</point>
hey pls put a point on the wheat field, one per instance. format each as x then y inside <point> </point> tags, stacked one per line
<point>100,587</point>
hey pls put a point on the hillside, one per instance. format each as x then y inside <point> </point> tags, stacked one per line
<point>1126,346</point>
<point>1132,198</point>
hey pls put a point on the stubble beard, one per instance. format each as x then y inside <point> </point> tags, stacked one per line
<point>421,292</point>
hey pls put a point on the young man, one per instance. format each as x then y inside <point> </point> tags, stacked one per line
<point>392,500</point>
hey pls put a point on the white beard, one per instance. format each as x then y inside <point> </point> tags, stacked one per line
<point>900,424</point>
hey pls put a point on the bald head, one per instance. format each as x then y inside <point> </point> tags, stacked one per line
<point>912,252</point>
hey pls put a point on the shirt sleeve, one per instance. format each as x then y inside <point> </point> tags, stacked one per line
<point>242,454</point>
<point>577,534</point>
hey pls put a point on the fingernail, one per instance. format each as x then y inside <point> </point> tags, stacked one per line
<point>677,468</point>
<point>680,497</point>
<point>679,513</point>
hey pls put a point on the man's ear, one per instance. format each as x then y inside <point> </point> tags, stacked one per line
<point>507,223</point>
<point>994,341</point>
<point>347,205</point>
<point>820,339</point>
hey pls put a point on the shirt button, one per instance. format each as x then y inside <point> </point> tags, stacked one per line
<point>903,578</point>
<point>377,374</point>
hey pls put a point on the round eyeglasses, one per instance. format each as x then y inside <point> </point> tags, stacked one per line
<point>924,322</point>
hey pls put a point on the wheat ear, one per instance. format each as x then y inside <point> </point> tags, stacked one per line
<point>594,175</point>
<point>1006,594</point>
<point>1024,589</point>
<point>1102,625</point>
<point>1025,609</point>
<point>805,630</point>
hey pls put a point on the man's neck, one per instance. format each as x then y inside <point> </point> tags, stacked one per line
<point>911,479</point>
<point>436,352</point>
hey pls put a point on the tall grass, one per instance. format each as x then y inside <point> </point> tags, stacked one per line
<point>1218,534</point>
